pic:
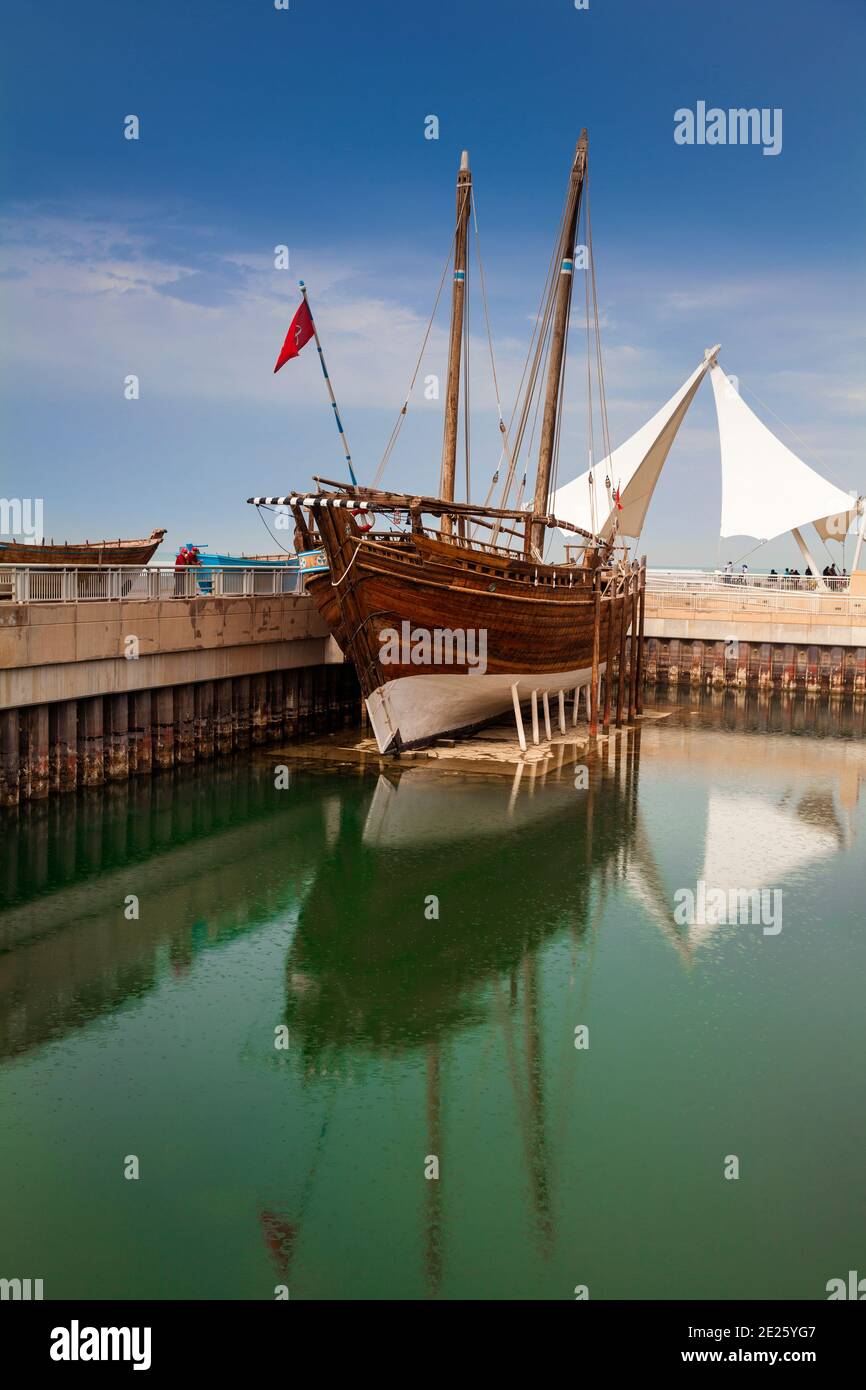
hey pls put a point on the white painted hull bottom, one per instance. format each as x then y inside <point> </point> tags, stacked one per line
<point>415,709</point>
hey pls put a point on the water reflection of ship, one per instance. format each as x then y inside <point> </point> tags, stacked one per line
<point>363,924</point>
<point>370,973</point>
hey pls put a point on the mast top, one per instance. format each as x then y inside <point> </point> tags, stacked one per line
<point>464,160</point>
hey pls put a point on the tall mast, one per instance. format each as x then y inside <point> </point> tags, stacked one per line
<point>557,340</point>
<point>452,397</point>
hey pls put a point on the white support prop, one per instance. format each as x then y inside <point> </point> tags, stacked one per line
<point>562,711</point>
<point>545,700</point>
<point>518,718</point>
<point>576,702</point>
<point>535,716</point>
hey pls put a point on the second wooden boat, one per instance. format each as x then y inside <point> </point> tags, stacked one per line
<point>119,552</point>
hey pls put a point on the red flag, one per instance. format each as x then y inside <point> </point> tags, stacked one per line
<point>616,500</point>
<point>299,334</point>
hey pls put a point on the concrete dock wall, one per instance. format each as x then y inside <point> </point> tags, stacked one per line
<point>98,692</point>
<point>746,637</point>
<point>50,749</point>
<point>810,668</point>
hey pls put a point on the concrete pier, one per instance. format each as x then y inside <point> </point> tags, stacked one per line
<point>51,749</point>
<point>744,637</point>
<point>82,704</point>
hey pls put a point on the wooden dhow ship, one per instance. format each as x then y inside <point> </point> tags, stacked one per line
<point>83,553</point>
<point>455,615</point>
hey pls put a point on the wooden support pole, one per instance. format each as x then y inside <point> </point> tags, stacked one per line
<point>141,733</point>
<point>163,728</point>
<point>184,724</point>
<point>632,654</point>
<point>204,720</point>
<point>64,749</point>
<point>223,717</point>
<point>304,701</point>
<point>622,608</point>
<point>10,757</point>
<point>640,638</point>
<point>91,766</point>
<point>34,753</point>
<point>610,608</point>
<point>117,740</point>
<point>276,705</point>
<point>290,721</point>
<point>596,641</point>
<point>241,712</point>
<point>259,709</point>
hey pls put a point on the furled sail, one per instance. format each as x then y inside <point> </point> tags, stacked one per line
<point>633,470</point>
<point>767,489</point>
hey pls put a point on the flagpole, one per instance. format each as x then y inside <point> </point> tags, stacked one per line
<point>343,438</point>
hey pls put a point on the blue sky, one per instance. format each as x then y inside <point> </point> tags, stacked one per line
<point>306,128</point>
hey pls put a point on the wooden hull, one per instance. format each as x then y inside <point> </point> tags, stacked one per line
<point>524,626</point>
<point>139,552</point>
<point>414,710</point>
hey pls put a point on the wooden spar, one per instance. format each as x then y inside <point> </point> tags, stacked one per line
<point>632,655</point>
<point>557,340</point>
<point>642,605</point>
<point>596,643</point>
<point>623,618</point>
<point>371,500</point>
<point>458,296</point>
<point>342,433</point>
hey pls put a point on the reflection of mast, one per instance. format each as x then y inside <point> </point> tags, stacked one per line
<point>279,1231</point>
<point>537,1155</point>
<point>433,1255</point>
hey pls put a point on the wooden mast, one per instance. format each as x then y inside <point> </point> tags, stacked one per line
<point>557,340</point>
<point>452,397</point>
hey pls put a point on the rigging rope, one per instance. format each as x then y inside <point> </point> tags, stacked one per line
<point>268,529</point>
<point>591,480</point>
<point>529,376</point>
<point>389,447</point>
<point>466,403</point>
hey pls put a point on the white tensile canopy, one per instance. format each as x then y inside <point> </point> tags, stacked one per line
<point>633,468</point>
<point>767,489</point>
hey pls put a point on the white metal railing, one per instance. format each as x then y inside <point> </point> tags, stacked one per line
<point>91,583</point>
<point>718,580</point>
<point>709,594</point>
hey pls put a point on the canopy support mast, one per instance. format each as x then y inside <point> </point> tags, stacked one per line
<point>860,537</point>
<point>804,550</point>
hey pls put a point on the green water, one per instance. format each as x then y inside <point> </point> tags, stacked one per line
<point>410,1036</point>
